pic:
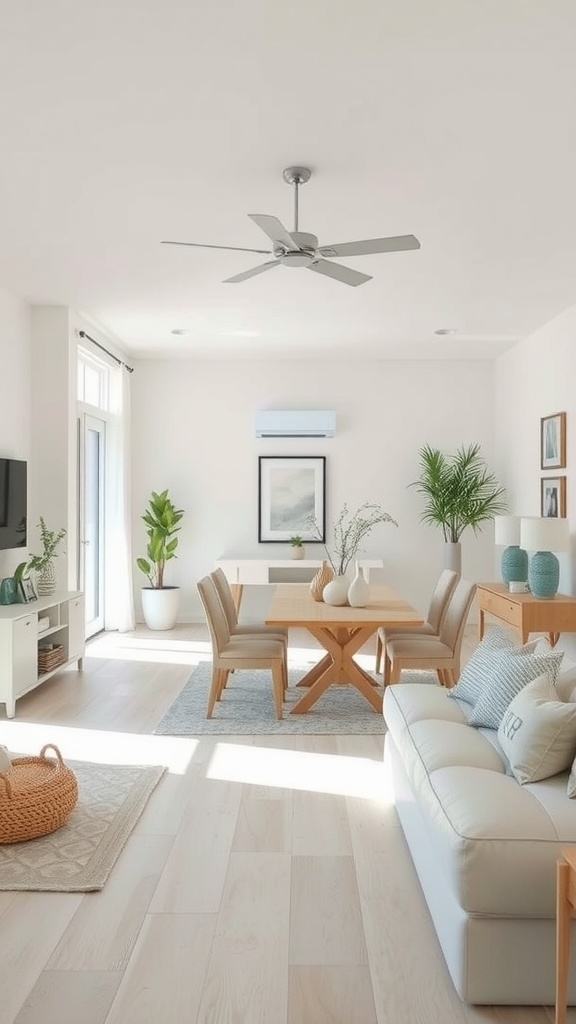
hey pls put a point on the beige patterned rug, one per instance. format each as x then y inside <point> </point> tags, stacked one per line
<point>79,856</point>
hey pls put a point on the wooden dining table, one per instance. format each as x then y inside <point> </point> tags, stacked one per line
<point>341,631</point>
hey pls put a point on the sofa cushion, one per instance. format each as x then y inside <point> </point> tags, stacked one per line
<point>510,674</point>
<point>478,670</point>
<point>538,732</point>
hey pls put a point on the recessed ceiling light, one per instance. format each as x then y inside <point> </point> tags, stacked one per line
<point>181,331</point>
<point>447,330</point>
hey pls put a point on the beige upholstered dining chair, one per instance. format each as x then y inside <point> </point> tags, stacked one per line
<point>440,653</point>
<point>227,601</point>
<point>230,652</point>
<point>443,591</point>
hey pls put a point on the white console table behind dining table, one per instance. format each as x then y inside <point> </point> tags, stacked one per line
<point>261,571</point>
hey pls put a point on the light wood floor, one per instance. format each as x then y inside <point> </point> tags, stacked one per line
<point>268,881</point>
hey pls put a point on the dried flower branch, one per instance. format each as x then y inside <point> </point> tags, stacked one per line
<point>349,530</point>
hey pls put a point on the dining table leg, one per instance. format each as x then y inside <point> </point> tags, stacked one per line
<point>338,666</point>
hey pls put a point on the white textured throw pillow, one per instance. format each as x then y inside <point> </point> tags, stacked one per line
<point>538,732</point>
<point>510,673</point>
<point>478,670</point>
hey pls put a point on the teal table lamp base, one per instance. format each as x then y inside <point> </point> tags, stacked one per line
<point>544,574</point>
<point>514,565</point>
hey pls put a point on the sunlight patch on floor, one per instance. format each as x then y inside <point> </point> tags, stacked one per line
<point>100,746</point>
<point>120,647</point>
<point>295,769</point>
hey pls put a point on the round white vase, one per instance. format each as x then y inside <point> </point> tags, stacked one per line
<point>358,591</point>
<point>336,592</point>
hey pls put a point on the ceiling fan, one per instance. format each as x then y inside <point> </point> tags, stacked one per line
<point>300,248</point>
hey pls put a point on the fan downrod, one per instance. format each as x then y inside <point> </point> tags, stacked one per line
<point>296,175</point>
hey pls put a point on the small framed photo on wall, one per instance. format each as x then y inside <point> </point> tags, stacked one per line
<point>553,441</point>
<point>553,497</point>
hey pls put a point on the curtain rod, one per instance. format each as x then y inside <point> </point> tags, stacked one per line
<point>82,334</point>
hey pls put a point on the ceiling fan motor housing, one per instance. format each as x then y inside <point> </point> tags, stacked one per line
<point>301,257</point>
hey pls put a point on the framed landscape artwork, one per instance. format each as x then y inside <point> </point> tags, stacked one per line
<point>553,497</point>
<point>291,498</point>
<point>553,441</point>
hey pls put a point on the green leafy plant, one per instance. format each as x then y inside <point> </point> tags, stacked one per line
<point>348,532</point>
<point>296,542</point>
<point>161,519</point>
<point>50,540</point>
<point>459,490</point>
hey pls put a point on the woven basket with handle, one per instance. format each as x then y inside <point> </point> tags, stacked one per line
<point>36,796</point>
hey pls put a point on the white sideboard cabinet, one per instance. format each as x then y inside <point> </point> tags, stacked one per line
<point>23,643</point>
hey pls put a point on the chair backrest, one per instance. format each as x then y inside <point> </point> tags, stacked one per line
<point>214,612</point>
<point>456,615</point>
<point>226,599</point>
<point>443,591</point>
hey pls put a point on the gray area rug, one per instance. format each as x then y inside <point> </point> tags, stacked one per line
<point>247,708</point>
<point>80,855</point>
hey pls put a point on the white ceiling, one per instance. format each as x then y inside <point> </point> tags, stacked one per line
<point>131,121</point>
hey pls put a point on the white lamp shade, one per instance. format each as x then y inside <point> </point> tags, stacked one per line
<point>506,530</point>
<point>546,534</point>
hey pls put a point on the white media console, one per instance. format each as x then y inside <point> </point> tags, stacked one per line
<point>23,648</point>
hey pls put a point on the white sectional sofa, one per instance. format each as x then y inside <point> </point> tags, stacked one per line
<point>485,847</point>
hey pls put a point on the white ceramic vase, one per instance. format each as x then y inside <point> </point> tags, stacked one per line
<point>358,591</point>
<point>299,552</point>
<point>336,592</point>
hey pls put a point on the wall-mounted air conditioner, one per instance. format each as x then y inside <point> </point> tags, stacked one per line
<point>282,423</point>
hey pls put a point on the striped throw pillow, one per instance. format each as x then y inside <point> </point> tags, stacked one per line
<point>511,672</point>
<point>477,671</point>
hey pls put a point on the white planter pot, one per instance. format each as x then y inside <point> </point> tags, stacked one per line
<point>160,606</point>
<point>453,556</point>
<point>298,553</point>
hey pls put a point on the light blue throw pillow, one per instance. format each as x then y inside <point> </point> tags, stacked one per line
<point>478,670</point>
<point>511,672</point>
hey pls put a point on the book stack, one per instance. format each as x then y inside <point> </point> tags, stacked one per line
<point>43,624</point>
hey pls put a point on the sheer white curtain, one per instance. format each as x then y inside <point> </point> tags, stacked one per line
<point>119,601</point>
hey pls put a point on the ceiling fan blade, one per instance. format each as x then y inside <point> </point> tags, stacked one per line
<point>251,273</point>
<point>340,273</point>
<point>234,248</point>
<point>370,245</point>
<point>275,230</point>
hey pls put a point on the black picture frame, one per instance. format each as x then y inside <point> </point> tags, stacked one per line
<point>27,590</point>
<point>291,490</point>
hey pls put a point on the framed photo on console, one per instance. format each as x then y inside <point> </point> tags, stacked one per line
<point>553,497</point>
<point>291,498</point>
<point>553,441</point>
<point>27,590</point>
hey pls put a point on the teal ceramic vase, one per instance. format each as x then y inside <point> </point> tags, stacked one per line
<point>544,574</point>
<point>514,564</point>
<point>9,591</point>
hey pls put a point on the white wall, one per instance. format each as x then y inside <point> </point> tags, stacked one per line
<point>15,391</point>
<point>193,433</point>
<point>534,379</point>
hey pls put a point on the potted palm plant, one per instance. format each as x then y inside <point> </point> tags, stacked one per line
<point>459,492</point>
<point>160,602</point>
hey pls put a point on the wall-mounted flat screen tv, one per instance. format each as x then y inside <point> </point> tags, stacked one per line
<point>13,503</point>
